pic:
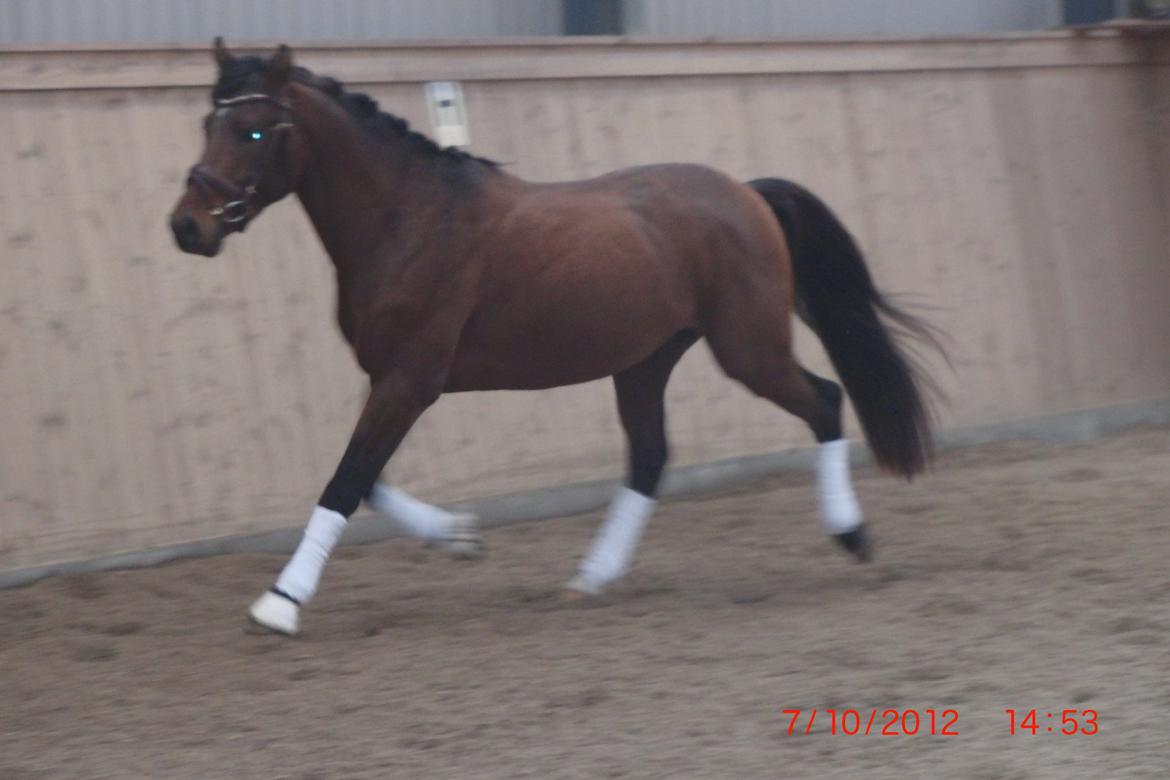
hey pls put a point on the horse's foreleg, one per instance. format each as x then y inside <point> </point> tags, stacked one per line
<point>391,409</point>
<point>455,532</point>
<point>641,395</point>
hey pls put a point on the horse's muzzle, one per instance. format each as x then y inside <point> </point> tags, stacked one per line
<point>190,238</point>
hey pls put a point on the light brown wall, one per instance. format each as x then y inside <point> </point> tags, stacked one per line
<point>1017,187</point>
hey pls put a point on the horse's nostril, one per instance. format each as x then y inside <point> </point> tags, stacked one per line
<point>186,231</point>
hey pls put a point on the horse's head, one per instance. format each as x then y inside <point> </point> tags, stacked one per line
<point>250,156</point>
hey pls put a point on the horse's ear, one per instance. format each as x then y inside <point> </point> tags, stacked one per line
<point>279,69</point>
<point>222,55</point>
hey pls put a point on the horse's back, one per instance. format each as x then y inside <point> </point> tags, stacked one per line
<point>678,212</point>
<point>695,190</point>
<point>717,230</point>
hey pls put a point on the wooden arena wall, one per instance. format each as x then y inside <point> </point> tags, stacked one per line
<point>1015,187</point>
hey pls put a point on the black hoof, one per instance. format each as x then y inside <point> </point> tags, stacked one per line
<point>857,543</point>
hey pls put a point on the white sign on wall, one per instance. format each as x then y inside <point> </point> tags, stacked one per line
<point>448,117</point>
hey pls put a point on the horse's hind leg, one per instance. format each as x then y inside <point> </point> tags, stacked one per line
<point>840,510</point>
<point>758,353</point>
<point>641,396</point>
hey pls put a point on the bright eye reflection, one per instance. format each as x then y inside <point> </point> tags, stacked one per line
<point>257,135</point>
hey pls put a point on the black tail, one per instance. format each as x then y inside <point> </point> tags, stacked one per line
<point>837,298</point>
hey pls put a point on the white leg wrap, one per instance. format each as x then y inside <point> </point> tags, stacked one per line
<point>840,511</point>
<point>415,517</point>
<point>300,577</point>
<point>456,533</point>
<point>613,548</point>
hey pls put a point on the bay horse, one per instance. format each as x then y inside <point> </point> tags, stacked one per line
<point>453,275</point>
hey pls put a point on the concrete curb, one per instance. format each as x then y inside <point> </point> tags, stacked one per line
<point>545,503</point>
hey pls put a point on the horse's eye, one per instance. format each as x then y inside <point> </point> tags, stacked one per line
<point>256,135</point>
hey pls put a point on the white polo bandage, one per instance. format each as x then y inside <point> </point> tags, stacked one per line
<point>613,548</point>
<point>840,511</point>
<point>417,518</point>
<point>302,573</point>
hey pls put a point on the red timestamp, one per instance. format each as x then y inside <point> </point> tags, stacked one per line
<point>1067,722</point>
<point>877,722</point>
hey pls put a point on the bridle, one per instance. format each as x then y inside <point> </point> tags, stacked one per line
<point>235,208</point>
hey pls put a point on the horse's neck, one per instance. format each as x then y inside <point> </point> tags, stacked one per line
<point>355,189</point>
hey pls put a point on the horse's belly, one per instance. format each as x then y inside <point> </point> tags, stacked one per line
<point>564,340</point>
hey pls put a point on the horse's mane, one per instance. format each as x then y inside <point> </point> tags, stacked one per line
<point>246,74</point>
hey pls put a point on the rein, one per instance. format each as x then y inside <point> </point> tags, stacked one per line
<point>236,202</point>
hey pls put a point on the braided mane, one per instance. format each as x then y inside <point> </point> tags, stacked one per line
<point>246,74</point>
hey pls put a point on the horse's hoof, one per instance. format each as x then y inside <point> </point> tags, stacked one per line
<point>857,543</point>
<point>276,613</point>
<point>579,589</point>
<point>463,541</point>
